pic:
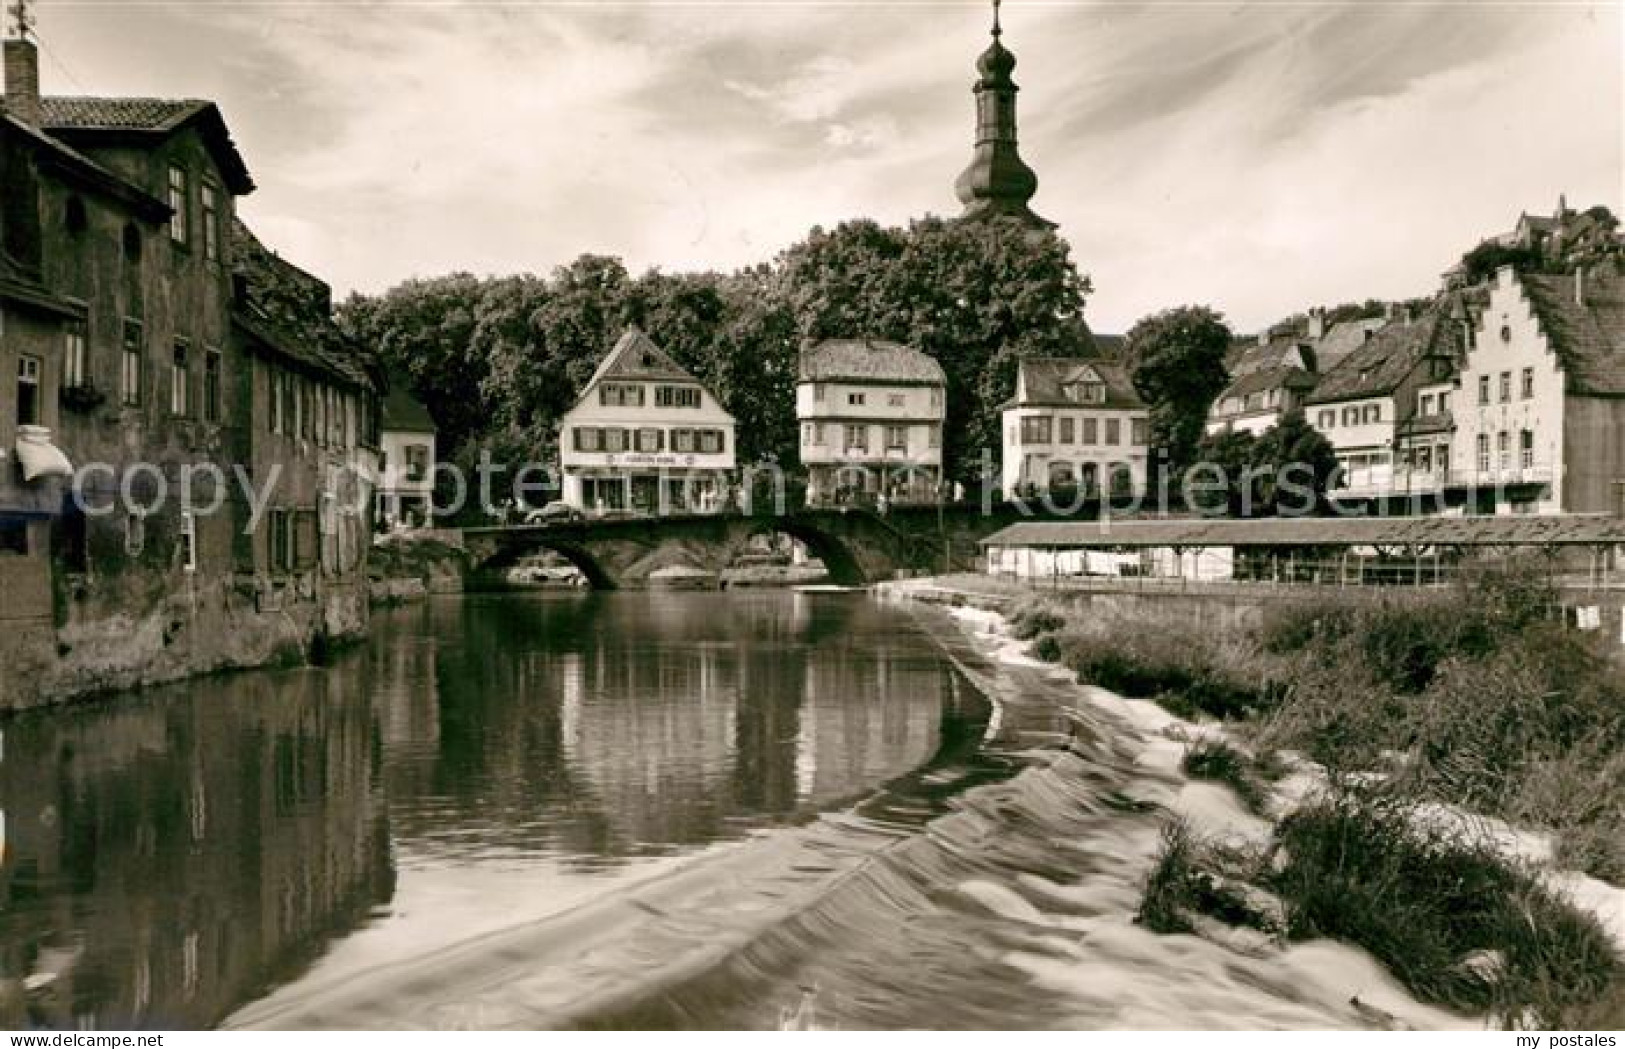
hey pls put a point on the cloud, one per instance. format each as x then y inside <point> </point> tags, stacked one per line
<point>1259,158</point>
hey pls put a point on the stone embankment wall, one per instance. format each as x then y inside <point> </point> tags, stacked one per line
<point>411,566</point>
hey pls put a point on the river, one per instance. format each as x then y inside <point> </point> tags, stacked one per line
<point>756,809</point>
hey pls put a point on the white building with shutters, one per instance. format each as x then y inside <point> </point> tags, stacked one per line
<point>646,437</point>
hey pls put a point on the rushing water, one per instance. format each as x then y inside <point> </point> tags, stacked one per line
<point>753,810</point>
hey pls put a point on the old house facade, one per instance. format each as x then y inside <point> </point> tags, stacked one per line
<point>871,415</point>
<point>407,458</point>
<point>116,219</point>
<point>1540,422</point>
<point>1076,426</point>
<point>646,436</point>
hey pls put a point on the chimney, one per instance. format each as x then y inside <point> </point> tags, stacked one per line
<point>22,81</point>
<point>1317,324</point>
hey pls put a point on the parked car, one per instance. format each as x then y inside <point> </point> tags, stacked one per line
<point>553,513</point>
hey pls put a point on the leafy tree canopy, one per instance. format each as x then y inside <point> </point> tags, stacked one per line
<point>1177,359</point>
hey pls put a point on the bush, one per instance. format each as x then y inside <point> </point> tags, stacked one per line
<point>1190,676</point>
<point>1034,620</point>
<point>1216,760</point>
<point>1047,648</point>
<point>1423,901</point>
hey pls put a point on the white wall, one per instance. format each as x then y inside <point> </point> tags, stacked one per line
<point>824,410</point>
<point>1025,462</point>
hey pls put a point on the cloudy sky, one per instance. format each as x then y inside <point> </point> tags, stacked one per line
<point>1256,157</point>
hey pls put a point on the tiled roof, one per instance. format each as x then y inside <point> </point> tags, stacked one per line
<point>1042,378</point>
<point>290,311</point>
<point>81,119</point>
<point>1342,339</point>
<point>636,356</point>
<point>119,114</point>
<point>869,360</point>
<point>404,413</point>
<point>1531,530</point>
<point>1268,379</point>
<point>1382,363</point>
<point>1589,340</point>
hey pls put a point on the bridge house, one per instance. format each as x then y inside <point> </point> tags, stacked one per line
<point>1074,425</point>
<point>646,436</point>
<point>871,415</point>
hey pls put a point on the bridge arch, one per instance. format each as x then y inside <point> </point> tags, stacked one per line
<point>840,563</point>
<point>598,576</point>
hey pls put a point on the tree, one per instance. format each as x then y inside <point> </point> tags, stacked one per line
<point>1177,360</point>
<point>1482,262</point>
<point>1295,465</point>
<point>1216,480</point>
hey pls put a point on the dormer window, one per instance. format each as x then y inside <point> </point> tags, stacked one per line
<point>1086,391</point>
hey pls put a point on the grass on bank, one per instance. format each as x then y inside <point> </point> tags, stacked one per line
<point>1457,924</point>
<point>1476,697</point>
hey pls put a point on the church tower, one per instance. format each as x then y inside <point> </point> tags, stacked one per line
<point>997,182</point>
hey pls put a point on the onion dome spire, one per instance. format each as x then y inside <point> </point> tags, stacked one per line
<point>997,182</point>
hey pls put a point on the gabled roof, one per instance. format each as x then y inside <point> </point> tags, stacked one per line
<point>404,413</point>
<point>869,360</point>
<point>1589,339</point>
<point>635,356</point>
<point>80,169</point>
<point>85,120</point>
<point>1378,367</point>
<point>1041,382</point>
<point>289,312</point>
<point>1267,379</point>
<point>1343,338</point>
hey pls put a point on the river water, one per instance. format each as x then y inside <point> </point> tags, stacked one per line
<point>757,809</point>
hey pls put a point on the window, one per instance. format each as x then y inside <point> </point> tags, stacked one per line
<point>620,395</point>
<point>75,365</point>
<point>933,436</point>
<point>14,535</point>
<point>1091,392</point>
<point>818,391</point>
<point>1506,387</point>
<point>1503,453</point>
<point>180,380</point>
<point>896,438</point>
<point>178,204</point>
<point>1327,420</point>
<point>711,441</point>
<point>211,386</point>
<point>281,525</point>
<point>211,222</point>
<point>856,400</point>
<point>1091,431</point>
<point>1444,403</point>
<point>130,381</point>
<point>589,439</point>
<point>1373,413</point>
<point>1069,430</point>
<point>132,243</point>
<point>1114,431</point>
<point>1527,390</point>
<point>279,399</point>
<point>677,397</point>
<point>74,217</point>
<point>1506,333</point>
<point>1483,389</point>
<point>936,398</point>
<point>683,440</point>
<point>812,434</point>
<point>188,541</point>
<point>1526,449</point>
<point>417,462</point>
<point>28,395</point>
<point>1138,432</point>
<point>857,438</point>
<point>615,440</point>
<point>651,440</point>
<point>1426,407</point>
<point>895,400</point>
<point>1351,416</point>
<point>135,533</point>
<point>1035,429</point>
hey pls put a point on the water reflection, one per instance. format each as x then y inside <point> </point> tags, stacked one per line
<point>479,763</point>
<point>167,858</point>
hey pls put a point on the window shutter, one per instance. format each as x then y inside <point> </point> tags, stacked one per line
<point>306,539</point>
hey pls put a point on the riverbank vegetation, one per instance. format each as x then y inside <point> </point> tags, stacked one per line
<point>1473,699</point>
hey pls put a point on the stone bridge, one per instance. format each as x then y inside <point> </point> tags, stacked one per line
<point>856,546</point>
